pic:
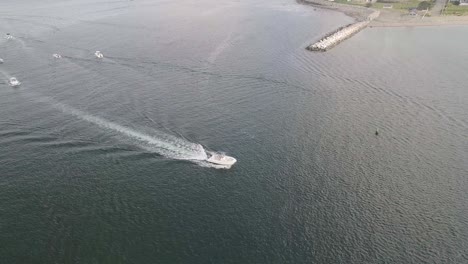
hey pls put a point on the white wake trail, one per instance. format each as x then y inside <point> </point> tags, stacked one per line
<point>166,145</point>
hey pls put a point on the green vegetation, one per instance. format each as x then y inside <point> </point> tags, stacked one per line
<point>456,10</point>
<point>349,2</point>
<point>424,5</point>
<point>452,8</point>
<point>403,6</point>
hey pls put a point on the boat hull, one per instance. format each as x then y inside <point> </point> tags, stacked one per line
<point>225,160</point>
<point>13,82</point>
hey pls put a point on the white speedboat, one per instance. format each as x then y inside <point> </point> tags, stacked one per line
<point>220,159</point>
<point>8,36</point>
<point>57,56</point>
<point>1,61</point>
<point>14,82</point>
<point>98,54</point>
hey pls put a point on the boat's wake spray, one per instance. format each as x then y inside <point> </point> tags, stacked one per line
<point>164,144</point>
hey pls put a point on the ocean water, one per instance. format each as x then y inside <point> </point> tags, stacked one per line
<point>97,156</point>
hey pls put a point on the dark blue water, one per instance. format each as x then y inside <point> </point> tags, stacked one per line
<point>95,160</point>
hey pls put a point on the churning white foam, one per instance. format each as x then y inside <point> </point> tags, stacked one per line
<point>166,145</point>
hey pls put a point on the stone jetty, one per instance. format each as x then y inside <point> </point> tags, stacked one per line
<point>337,36</point>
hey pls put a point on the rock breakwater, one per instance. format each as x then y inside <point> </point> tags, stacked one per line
<point>334,38</point>
<point>362,15</point>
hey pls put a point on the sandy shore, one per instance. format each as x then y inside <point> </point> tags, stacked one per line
<point>359,13</point>
<point>396,19</point>
<point>373,18</point>
<point>387,18</point>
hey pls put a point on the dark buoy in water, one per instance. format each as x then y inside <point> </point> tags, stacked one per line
<point>377,132</point>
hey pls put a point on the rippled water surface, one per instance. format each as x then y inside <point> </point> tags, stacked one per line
<point>96,160</point>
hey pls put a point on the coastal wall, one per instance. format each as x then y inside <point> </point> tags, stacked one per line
<point>334,38</point>
<point>362,15</point>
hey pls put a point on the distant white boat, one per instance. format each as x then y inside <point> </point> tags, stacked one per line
<point>8,36</point>
<point>98,54</point>
<point>57,56</point>
<point>220,159</point>
<point>1,61</point>
<point>14,82</point>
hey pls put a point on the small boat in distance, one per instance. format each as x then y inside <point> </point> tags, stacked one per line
<point>1,61</point>
<point>57,56</point>
<point>220,159</point>
<point>14,82</point>
<point>98,54</point>
<point>8,36</point>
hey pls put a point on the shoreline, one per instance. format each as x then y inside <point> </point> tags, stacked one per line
<point>396,19</point>
<point>371,17</point>
<point>431,24</point>
<point>362,16</point>
<point>387,18</point>
<point>358,13</point>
